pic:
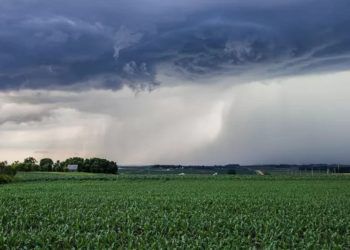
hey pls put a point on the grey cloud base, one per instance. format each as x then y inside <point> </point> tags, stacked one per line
<point>92,44</point>
<point>291,120</point>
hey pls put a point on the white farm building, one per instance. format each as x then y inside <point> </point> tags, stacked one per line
<point>72,168</point>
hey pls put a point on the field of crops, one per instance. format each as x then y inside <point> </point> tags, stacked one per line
<point>177,212</point>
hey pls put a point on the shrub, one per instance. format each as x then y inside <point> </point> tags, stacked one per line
<point>5,178</point>
<point>6,169</point>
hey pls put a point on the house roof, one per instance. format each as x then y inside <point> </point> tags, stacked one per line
<point>72,167</point>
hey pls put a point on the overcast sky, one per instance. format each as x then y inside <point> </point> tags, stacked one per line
<point>190,82</point>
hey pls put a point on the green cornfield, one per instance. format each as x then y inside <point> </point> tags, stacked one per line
<point>184,213</point>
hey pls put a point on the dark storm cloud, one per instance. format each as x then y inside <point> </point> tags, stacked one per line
<point>105,44</point>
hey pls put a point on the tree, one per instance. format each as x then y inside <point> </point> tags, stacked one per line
<point>98,165</point>
<point>74,161</point>
<point>30,160</point>
<point>94,165</point>
<point>58,166</point>
<point>7,169</point>
<point>46,164</point>
<point>29,164</point>
<point>16,165</point>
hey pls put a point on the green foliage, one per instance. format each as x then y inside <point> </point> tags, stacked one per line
<point>46,164</point>
<point>93,165</point>
<point>6,173</point>
<point>29,164</point>
<point>73,161</point>
<point>176,213</point>
<point>30,160</point>
<point>4,178</point>
<point>56,176</point>
<point>58,166</point>
<point>97,165</point>
<point>6,169</point>
<point>27,167</point>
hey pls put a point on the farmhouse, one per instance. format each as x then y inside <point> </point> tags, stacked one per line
<point>72,168</point>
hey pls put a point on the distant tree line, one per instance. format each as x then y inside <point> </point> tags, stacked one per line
<point>250,169</point>
<point>204,167</point>
<point>230,169</point>
<point>92,165</point>
<point>332,168</point>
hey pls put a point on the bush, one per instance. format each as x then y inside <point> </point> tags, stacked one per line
<point>6,169</point>
<point>5,178</point>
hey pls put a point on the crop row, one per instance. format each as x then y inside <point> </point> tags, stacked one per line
<point>180,213</point>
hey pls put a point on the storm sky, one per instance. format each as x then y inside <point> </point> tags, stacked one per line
<point>188,82</point>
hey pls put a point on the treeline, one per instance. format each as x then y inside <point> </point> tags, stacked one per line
<point>201,167</point>
<point>92,165</point>
<point>331,168</point>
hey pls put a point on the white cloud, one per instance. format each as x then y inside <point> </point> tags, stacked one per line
<point>124,38</point>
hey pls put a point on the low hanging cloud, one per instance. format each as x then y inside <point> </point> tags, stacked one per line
<point>291,120</point>
<point>88,44</point>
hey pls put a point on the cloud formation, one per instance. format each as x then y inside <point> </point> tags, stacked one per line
<point>295,120</point>
<point>107,44</point>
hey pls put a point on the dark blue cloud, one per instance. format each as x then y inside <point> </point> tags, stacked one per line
<point>105,44</point>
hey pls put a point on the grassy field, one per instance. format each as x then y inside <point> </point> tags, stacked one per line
<point>98,211</point>
<point>59,176</point>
